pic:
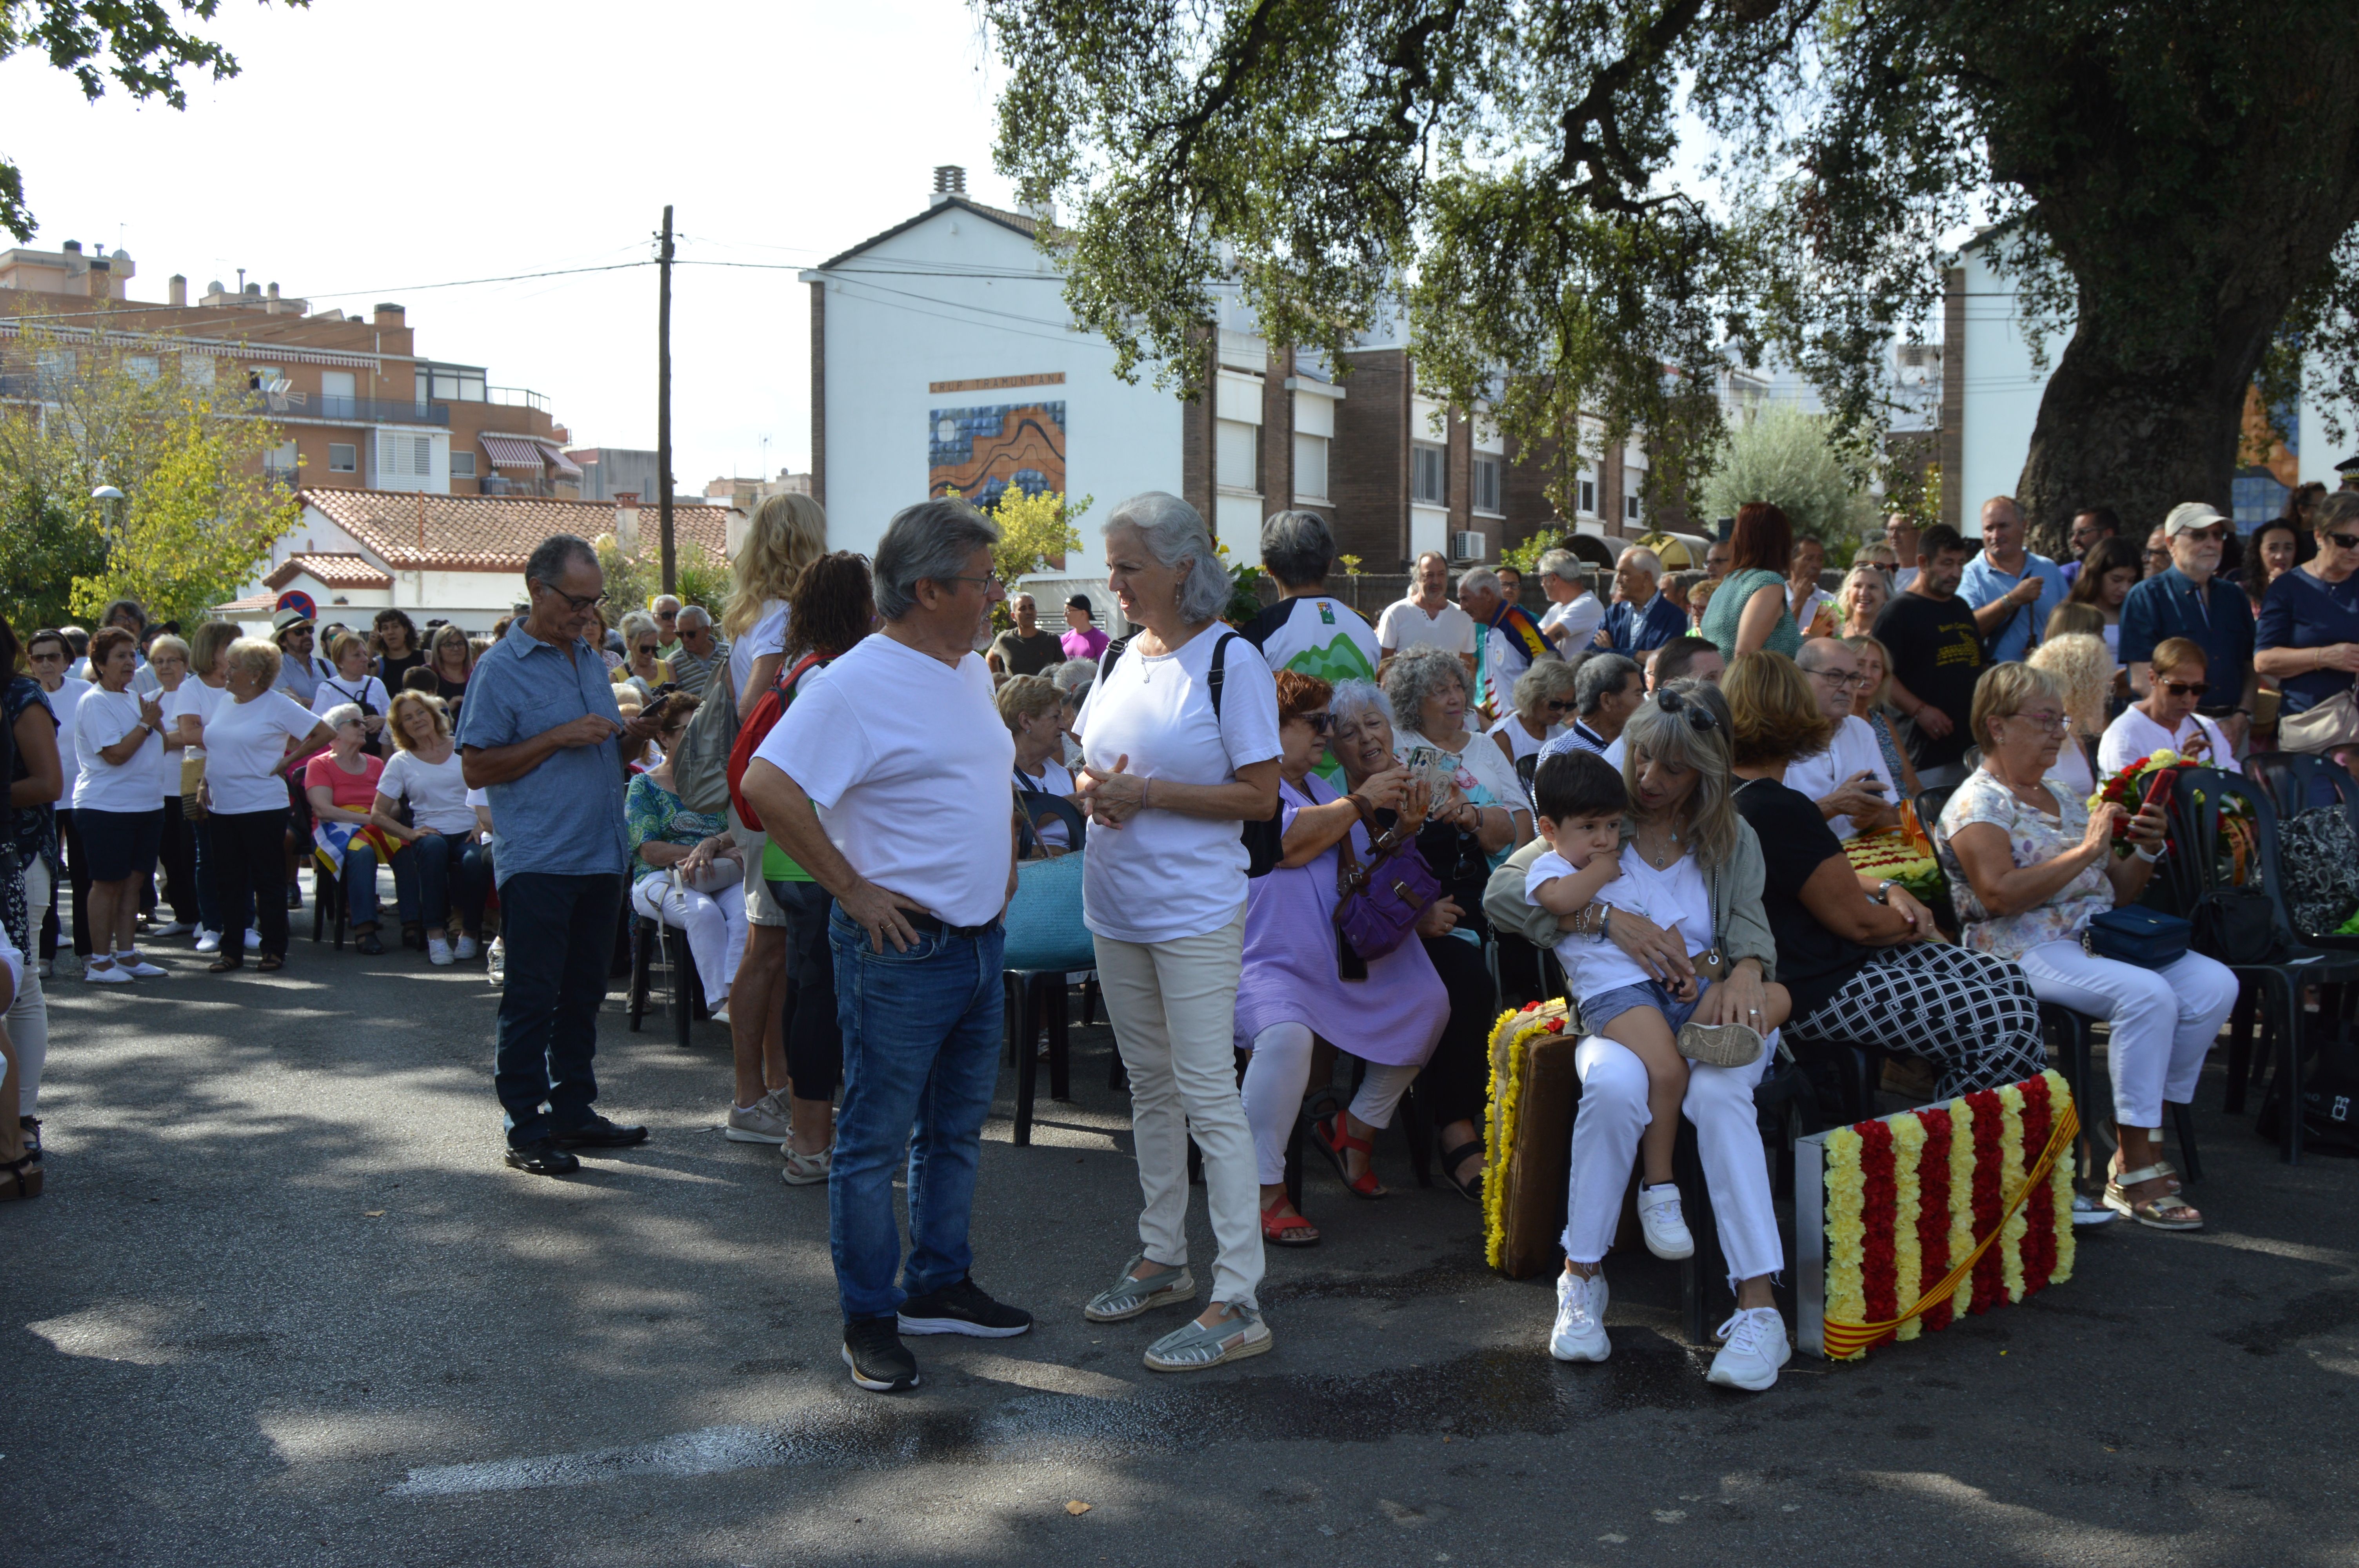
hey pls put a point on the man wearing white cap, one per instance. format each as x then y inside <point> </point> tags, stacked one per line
<point>2188,598</point>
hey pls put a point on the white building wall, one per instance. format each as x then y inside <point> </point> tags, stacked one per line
<point>889,338</point>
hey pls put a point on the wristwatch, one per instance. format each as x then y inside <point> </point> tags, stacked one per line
<point>1883,894</point>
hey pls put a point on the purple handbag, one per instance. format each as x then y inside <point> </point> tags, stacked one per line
<point>1377,905</point>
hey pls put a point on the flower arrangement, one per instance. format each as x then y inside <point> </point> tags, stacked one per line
<point>2127,789</point>
<point>1948,1209</point>
<point>1507,1038</point>
<point>1904,854</point>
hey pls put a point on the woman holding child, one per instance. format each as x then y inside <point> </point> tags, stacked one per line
<point>1695,868</point>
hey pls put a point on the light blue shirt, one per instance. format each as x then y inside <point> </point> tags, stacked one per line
<point>565,818</point>
<point>2026,628</point>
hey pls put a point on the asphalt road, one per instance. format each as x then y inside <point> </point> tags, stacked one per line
<point>284,1305</point>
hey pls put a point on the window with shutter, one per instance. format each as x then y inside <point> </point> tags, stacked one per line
<point>422,451</point>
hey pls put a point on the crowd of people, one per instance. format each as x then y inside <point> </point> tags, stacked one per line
<point>1312,842</point>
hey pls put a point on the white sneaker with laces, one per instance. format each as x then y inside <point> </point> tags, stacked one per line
<point>1580,1332</point>
<point>137,968</point>
<point>437,949</point>
<point>208,941</point>
<point>1757,1347</point>
<point>466,948</point>
<point>1659,1217</point>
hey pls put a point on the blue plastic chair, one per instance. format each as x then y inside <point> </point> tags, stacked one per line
<point>1045,941</point>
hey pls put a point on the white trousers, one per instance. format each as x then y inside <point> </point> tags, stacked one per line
<point>1275,1081</point>
<point>1735,1166</point>
<point>1173,1007</point>
<point>716,924</point>
<point>29,1015</point>
<point>2162,1021</point>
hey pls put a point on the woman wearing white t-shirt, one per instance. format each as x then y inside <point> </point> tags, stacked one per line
<point>1170,778</point>
<point>206,689</point>
<point>248,742</point>
<point>425,772</point>
<point>167,656</point>
<point>118,737</point>
<point>2166,717</point>
<point>1543,704</point>
<point>352,683</point>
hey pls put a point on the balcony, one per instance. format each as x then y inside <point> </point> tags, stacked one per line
<point>364,410</point>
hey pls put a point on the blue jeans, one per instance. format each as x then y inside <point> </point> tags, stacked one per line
<point>559,931</point>
<point>921,1032</point>
<point>422,874</point>
<point>360,885</point>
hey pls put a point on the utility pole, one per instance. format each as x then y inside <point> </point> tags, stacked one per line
<point>663,405</point>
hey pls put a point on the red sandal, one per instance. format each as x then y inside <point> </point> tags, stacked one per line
<point>1331,1135</point>
<point>1286,1229</point>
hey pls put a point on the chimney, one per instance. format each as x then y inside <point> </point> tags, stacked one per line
<point>949,180</point>
<point>179,289</point>
<point>101,279</point>
<point>388,316</point>
<point>627,521</point>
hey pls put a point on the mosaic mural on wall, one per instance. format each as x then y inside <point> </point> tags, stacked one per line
<point>979,452</point>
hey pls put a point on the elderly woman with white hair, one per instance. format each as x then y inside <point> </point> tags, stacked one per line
<point>341,786</point>
<point>1182,744</point>
<point>641,668</point>
<point>1573,613</point>
<point>249,739</point>
<point>1544,705</point>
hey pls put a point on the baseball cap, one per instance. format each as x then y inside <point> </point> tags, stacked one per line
<point>2188,516</point>
<point>287,618</point>
<point>1080,601</point>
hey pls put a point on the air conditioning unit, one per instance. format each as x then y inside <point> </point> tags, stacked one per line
<point>1467,546</point>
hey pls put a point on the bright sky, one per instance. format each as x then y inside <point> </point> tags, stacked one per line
<point>369,148</point>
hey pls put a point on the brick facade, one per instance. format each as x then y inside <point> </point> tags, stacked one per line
<point>1367,466</point>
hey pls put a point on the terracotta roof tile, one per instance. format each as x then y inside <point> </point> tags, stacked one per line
<point>336,569</point>
<point>408,531</point>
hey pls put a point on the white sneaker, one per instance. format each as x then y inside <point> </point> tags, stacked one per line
<point>466,948</point>
<point>437,949</point>
<point>253,940</point>
<point>764,1122</point>
<point>137,968</point>
<point>1580,1332</point>
<point>170,928</point>
<point>496,963</point>
<point>1755,1348</point>
<point>1659,1216</point>
<point>208,941</point>
<point>113,975</point>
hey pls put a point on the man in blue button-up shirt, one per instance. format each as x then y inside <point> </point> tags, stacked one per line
<point>2190,599</point>
<point>2011,592</point>
<point>540,732</point>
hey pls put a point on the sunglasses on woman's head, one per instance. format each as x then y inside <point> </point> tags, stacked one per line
<point>2193,688</point>
<point>1699,717</point>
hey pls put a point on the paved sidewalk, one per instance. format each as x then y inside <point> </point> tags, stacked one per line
<point>284,1305</point>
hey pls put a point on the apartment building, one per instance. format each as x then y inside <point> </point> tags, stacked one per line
<point>943,359</point>
<point>361,407</point>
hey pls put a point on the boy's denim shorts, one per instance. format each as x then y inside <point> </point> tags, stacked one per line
<point>1599,1011</point>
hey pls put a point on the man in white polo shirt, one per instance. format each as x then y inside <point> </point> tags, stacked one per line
<point>886,779</point>
<point>1427,619</point>
<point>1849,781</point>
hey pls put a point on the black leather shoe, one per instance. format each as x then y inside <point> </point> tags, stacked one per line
<point>599,1133</point>
<point>543,1158</point>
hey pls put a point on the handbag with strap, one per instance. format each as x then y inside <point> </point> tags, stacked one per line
<point>2136,935</point>
<point>2327,723</point>
<point>1378,905</point>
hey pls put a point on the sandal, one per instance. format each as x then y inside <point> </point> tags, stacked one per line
<point>271,963</point>
<point>225,963</point>
<point>1286,1229</point>
<point>2169,1172</point>
<point>1333,1140</point>
<point>2168,1212</point>
<point>806,1170</point>
<point>21,1178</point>
<point>1472,1191</point>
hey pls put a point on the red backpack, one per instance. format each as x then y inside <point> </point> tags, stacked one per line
<point>753,727</point>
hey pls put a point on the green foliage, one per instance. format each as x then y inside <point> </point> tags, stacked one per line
<point>198,516</point>
<point>1525,557</point>
<point>1036,532</point>
<point>137,44</point>
<point>1523,166</point>
<point>702,576</point>
<point>631,581</point>
<point>1782,456</point>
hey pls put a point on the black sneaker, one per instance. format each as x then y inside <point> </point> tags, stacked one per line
<point>599,1133</point>
<point>879,1361</point>
<point>542,1157</point>
<point>962,1308</point>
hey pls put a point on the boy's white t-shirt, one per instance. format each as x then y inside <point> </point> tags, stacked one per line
<point>437,792</point>
<point>102,718</point>
<point>1161,876</point>
<point>1853,749</point>
<point>1673,897</point>
<point>912,770</point>
<point>246,746</point>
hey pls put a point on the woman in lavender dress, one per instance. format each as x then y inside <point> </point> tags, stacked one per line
<point>1292,989</point>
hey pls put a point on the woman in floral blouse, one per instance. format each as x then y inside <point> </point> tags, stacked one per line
<point>2029,867</point>
<point>689,873</point>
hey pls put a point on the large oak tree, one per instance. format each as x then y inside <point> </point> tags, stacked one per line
<point>1587,195</point>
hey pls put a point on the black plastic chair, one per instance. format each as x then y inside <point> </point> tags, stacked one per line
<point>651,939</point>
<point>1528,767</point>
<point>2291,965</point>
<point>329,907</point>
<point>1038,996</point>
<point>2298,781</point>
